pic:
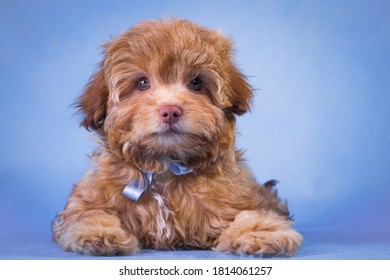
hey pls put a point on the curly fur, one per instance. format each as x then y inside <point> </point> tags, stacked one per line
<point>217,206</point>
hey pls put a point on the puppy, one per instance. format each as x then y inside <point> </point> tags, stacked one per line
<point>166,173</point>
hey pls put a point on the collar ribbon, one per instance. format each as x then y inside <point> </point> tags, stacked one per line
<point>134,189</point>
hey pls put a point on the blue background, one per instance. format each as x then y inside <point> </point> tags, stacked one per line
<point>320,121</point>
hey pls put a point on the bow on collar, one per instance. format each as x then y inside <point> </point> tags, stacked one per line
<point>134,189</point>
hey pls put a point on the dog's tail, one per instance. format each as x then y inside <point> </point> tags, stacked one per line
<point>270,184</point>
<point>283,206</point>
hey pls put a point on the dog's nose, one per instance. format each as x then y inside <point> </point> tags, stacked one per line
<point>170,114</point>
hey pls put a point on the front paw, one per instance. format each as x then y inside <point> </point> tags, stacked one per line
<point>259,233</point>
<point>94,233</point>
<point>109,242</point>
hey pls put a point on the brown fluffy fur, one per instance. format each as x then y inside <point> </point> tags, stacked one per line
<point>217,206</point>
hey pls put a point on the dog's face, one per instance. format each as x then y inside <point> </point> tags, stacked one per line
<point>166,89</point>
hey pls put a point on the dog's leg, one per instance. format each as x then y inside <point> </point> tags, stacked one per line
<point>95,232</point>
<point>263,233</point>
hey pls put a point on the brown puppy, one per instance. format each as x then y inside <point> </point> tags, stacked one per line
<point>167,174</point>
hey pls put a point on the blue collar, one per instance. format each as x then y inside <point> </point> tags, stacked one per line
<point>134,189</point>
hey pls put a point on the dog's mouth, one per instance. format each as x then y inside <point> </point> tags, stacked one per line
<point>173,131</point>
<point>177,142</point>
<point>188,148</point>
<point>179,138</point>
<point>170,131</point>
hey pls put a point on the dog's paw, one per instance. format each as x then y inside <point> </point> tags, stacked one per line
<point>95,233</point>
<point>259,233</point>
<point>106,243</point>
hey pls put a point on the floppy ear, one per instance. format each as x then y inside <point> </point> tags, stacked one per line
<point>93,102</point>
<point>240,94</point>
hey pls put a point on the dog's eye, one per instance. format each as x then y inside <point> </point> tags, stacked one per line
<point>195,84</point>
<point>143,84</point>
